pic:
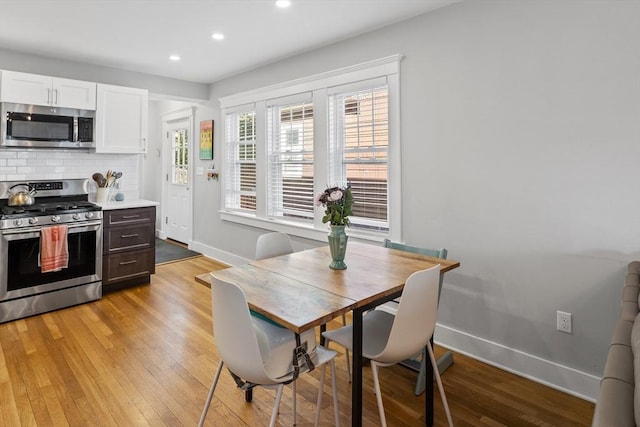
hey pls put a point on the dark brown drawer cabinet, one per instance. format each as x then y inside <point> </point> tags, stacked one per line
<point>128,247</point>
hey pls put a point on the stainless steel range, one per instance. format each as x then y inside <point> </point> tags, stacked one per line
<point>25,289</point>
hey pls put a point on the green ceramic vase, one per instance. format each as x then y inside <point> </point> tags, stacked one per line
<point>338,246</point>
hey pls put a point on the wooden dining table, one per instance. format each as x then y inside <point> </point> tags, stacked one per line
<point>300,291</point>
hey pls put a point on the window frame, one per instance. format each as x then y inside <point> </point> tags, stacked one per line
<point>236,114</point>
<point>320,85</point>
<point>273,127</point>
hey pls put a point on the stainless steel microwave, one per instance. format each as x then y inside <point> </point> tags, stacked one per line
<point>33,126</point>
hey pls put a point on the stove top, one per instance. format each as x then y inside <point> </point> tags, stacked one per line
<point>48,208</point>
<point>56,202</point>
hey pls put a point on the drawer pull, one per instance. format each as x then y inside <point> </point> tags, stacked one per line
<point>130,216</point>
<point>124,236</point>
<point>128,262</point>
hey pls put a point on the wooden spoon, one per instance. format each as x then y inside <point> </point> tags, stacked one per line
<point>99,179</point>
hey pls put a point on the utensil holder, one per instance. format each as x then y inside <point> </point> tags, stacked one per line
<point>102,195</point>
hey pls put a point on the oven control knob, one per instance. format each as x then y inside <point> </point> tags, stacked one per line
<point>33,221</point>
<point>17,222</point>
<point>76,216</point>
<point>55,218</point>
<point>88,215</point>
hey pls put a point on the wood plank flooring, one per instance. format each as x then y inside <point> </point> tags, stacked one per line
<point>145,356</point>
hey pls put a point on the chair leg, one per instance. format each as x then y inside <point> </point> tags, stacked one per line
<point>276,406</point>
<point>346,352</point>
<point>210,395</point>
<point>336,411</point>
<point>376,386</point>
<point>334,385</point>
<point>439,381</point>
<point>293,386</point>
<point>320,392</point>
<point>422,375</point>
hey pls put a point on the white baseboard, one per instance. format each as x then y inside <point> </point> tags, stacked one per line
<point>217,254</point>
<point>534,368</point>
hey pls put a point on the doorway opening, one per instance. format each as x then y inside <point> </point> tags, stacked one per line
<point>178,135</point>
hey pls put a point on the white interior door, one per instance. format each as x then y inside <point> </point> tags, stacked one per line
<point>179,144</point>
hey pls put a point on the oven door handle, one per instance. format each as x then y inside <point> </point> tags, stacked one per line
<point>37,229</point>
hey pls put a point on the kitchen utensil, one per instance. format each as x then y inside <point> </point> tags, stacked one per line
<point>99,179</point>
<point>118,175</point>
<point>21,198</point>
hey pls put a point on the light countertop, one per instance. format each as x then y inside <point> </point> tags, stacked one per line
<point>126,204</point>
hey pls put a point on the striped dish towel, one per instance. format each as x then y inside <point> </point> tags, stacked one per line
<point>54,249</point>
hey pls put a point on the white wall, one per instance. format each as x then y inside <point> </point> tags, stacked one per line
<point>520,136</point>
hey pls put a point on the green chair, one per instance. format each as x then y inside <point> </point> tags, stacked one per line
<point>418,363</point>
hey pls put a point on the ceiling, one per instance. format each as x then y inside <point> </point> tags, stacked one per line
<point>140,35</point>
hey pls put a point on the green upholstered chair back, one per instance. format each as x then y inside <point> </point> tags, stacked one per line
<point>437,253</point>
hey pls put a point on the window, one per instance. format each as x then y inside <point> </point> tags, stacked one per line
<point>359,145</point>
<point>180,158</point>
<point>240,161</point>
<point>336,128</point>
<point>290,188</point>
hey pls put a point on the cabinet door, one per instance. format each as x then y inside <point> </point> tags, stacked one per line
<point>74,94</point>
<point>23,88</point>
<point>128,265</point>
<point>121,119</point>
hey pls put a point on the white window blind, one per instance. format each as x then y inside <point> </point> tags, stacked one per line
<point>290,186</point>
<point>359,148</point>
<point>240,161</point>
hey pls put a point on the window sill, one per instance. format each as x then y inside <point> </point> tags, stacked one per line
<point>297,229</point>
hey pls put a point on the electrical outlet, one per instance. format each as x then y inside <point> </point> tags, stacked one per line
<point>563,322</point>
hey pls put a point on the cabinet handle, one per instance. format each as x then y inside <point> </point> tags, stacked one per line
<point>124,236</point>
<point>55,96</point>
<point>130,216</point>
<point>128,262</point>
<point>48,96</point>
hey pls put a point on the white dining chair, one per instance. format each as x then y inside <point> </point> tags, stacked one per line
<point>389,339</point>
<point>275,244</point>
<point>258,353</point>
<point>419,362</point>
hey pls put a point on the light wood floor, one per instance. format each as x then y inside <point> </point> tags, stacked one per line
<point>145,357</point>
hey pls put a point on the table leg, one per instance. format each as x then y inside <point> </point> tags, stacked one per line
<point>356,381</point>
<point>428,394</point>
<point>323,328</point>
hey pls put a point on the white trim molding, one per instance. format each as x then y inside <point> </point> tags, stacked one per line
<point>552,374</point>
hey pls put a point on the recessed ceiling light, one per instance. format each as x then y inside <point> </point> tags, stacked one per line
<point>174,58</point>
<point>217,36</point>
<point>283,4</point>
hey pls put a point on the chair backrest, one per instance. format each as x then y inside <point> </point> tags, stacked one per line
<point>415,319</point>
<point>234,334</point>
<point>437,253</point>
<point>273,244</point>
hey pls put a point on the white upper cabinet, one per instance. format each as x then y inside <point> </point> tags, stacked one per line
<point>121,119</point>
<point>34,89</point>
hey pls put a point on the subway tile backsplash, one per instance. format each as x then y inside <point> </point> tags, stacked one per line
<point>44,164</point>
